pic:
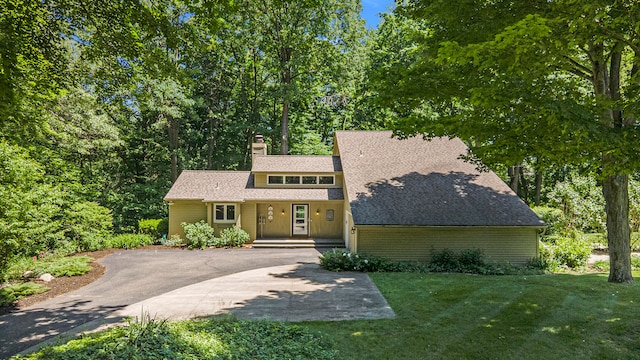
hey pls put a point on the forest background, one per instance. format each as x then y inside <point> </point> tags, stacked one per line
<point>102,104</point>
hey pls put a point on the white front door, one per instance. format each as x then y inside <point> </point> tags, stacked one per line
<point>300,220</point>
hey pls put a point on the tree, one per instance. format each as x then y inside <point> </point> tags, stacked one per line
<point>556,80</point>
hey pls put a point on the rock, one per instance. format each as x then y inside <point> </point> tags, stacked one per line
<point>27,274</point>
<point>46,277</point>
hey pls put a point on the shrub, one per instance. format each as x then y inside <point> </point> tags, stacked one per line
<point>130,241</point>
<point>444,261</point>
<point>233,236</point>
<point>199,235</point>
<point>88,225</point>
<point>149,226</point>
<point>582,203</point>
<point>557,223</point>
<point>41,264</point>
<point>344,260</point>
<point>153,227</point>
<point>174,240</point>
<point>12,293</point>
<point>469,261</point>
<point>570,252</point>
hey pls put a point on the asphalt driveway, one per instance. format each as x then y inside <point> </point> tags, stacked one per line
<point>252,282</point>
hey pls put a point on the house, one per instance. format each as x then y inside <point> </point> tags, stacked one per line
<point>376,194</point>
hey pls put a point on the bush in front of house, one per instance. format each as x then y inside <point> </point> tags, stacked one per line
<point>468,261</point>
<point>232,237</point>
<point>130,241</point>
<point>153,227</point>
<point>199,235</point>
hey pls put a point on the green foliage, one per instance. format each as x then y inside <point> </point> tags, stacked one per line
<point>63,266</point>
<point>468,261</point>
<point>572,252</point>
<point>174,240</point>
<point>153,227</point>
<point>47,264</point>
<point>581,202</point>
<point>199,235</point>
<point>88,225</point>
<point>129,241</point>
<point>213,338</point>
<point>554,218</point>
<point>603,265</point>
<point>233,237</point>
<point>15,292</point>
<point>344,260</point>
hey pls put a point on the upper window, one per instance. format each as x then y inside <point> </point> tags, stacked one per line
<point>225,213</point>
<point>301,180</point>
<point>291,180</point>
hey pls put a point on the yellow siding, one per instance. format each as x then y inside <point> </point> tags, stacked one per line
<point>319,227</point>
<point>248,220</point>
<point>260,181</point>
<point>416,243</point>
<point>280,225</point>
<point>185,211</point>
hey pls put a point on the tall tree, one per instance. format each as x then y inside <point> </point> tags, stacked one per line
<point>550,79</point>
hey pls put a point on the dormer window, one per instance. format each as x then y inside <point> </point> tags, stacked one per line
<point>301,180</point>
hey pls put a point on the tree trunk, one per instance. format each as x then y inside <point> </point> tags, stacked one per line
<point>514,176</point>
<point>538,187</point>
<point>615,188</point>
<point>284,54</point>
<point>284,134</point>
<point>173,128</point>
<point>616,195</point>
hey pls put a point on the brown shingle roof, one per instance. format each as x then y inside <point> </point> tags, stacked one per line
<point>210,185</point>
<point>296,164</point>
<point>417,182</point>
<point>237,186</point>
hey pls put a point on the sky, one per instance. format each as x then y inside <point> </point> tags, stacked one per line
<point>371,9</point>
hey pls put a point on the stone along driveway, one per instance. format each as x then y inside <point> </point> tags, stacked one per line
<point>278,284</point>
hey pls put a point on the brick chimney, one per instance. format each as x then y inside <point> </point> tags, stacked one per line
<point>258,147</point>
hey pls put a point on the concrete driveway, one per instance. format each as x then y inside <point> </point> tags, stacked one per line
<point>279,284</point>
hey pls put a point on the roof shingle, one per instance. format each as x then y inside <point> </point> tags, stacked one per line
<point>238,186</point>
<point>296,164</point>
<point>416,182</point>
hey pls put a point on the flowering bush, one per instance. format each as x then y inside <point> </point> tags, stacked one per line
<point>343,260</point>
<point>199,235</point>
<point>233,236</point>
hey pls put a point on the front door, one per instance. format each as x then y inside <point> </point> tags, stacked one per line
<point>300,220</point>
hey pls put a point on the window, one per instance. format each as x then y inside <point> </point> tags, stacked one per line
<point>292,180</point>
<point>225,213</point>
<point>301,180</point>
<point>326,180</point>
<point>311,180</point>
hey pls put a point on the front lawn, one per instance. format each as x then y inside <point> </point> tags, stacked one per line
<point>439,316</point>
<point>457,316</point>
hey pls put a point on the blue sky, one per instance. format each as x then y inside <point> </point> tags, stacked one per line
<point>371,9</point>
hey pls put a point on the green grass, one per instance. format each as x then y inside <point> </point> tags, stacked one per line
<point>16,292</point>
<point>456,316</point>
<point>439,316</point>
